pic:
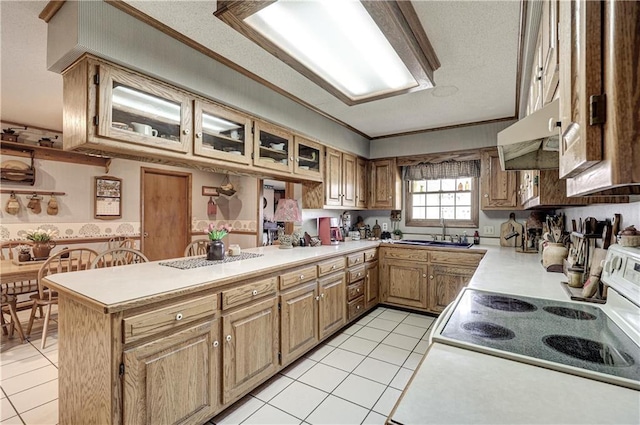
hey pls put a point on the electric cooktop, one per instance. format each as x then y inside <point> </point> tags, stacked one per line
<point>566,336</point>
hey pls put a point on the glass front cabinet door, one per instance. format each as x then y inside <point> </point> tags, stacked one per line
<point>134,109</point>
<point>272,147</point>
<point>309,157</point>
<point>221,133</point>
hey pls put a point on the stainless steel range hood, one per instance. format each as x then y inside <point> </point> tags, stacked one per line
<point>533,142</point>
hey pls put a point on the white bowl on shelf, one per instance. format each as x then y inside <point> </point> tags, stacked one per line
<point>277,146</point>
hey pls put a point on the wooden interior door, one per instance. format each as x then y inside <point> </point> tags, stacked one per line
<point>165,218</point>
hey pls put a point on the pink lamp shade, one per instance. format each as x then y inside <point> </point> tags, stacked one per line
<point>287,211</point>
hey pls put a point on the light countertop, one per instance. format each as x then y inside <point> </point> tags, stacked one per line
<point>458,386</point>
<point>114,288</point>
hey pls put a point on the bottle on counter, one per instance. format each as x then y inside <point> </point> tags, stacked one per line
<point>476,238</point>
<point>377,231</point>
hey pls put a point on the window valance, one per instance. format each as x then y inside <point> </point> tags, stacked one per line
<point>442,170</point>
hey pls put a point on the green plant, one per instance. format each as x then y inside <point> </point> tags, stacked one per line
<point>398,232</point>
<point>41,235</point>
<point>218,232</point>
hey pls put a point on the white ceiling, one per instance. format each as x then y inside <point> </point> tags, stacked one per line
<point>476,43</point>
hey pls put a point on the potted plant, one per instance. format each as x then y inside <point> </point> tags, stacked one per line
<point>216,247</point>
<point>24,253</point>
<point>43,242</point>
<point>396,234</point>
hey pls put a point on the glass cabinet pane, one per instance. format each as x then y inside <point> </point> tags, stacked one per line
<point>308,157</point>
<point>144,113</point>
<point>141,111</point>
<point>272,147</point>
<point>221,133</point>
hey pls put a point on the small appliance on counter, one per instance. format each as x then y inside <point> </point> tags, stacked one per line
<point>329,230</point>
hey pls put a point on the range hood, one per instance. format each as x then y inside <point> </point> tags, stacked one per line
<point>533,142</point>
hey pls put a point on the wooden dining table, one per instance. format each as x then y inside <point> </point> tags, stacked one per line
<point>11,272</point>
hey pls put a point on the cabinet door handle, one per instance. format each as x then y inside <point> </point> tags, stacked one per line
<point>486,195</point>
<point>291,158</point>
<point>322,295</point>
<point>179,316</point>
<point>317,298</point>
<point>216,343</point>
<point>357,307</point>
<point>424,275</point>
<point>198,134</point>
<point>254,292</point>
<point>358,290</point>
<point>301,276</point>
<point>359,274</point>
<point>431,277</point>
<point>186,131</point>
<point>333,267</point>
<point>228,338</point>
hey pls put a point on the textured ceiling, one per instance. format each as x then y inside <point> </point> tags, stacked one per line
<point>476,43</point>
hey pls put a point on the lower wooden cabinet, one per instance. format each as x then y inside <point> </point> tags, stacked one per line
<point>405,283</point>
<point>333,304</point>
<point>445,283</point>
<point>250,347</point>
<point>371,285</point>
<point>298,321</point>
<point>173,379</point>
<point>425,279</point>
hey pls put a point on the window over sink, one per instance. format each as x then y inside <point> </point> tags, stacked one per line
<point>455,200</point>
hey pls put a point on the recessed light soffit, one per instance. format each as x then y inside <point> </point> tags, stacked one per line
<point>358,51</point>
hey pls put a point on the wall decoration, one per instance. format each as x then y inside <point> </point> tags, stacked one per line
<point>108,198</point>
<point>209,191</point>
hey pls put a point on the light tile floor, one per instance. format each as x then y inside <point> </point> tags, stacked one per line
<point>353,378</point>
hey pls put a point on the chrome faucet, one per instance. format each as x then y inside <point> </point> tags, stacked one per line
<point>443,227</point>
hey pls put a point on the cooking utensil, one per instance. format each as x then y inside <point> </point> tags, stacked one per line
<point>511,232</point>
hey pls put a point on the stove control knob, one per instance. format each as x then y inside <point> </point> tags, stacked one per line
<point>616,263</point>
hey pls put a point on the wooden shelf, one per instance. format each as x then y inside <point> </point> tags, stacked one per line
<point>24,150</point>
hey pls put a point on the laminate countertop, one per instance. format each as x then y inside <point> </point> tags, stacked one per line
<point>457,386</point>
<point>114,289</point>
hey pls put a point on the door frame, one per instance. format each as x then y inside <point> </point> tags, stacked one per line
<point>189,177</point>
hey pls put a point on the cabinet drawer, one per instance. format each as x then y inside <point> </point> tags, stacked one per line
<point>456,258</point>
<point>152,322</point>
<point>247,292</point>
<point>355,307</point>
<point>413,254</point>
<point>355,274</point>
<point>293,278</point>
<point>355,259</point>
<point>370,255</point>
<point>331,266</point>
<point>355,290</point>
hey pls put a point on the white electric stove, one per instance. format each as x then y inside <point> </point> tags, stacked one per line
<point>596,341</point>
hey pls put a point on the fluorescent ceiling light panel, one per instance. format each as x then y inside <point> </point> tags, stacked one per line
<point>339,41</point>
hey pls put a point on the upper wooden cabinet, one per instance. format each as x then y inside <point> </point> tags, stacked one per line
<point>549,50</point>
<point>340,179</point>
<point>221,133</point>
<point>110,109</point>
<point>599,149</point>
<point>497,187</point>
<point>309,157</point>
<point>272,147</point>
<point>385,185</point>
<point>361,183</point>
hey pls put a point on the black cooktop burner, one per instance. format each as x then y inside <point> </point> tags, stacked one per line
<point>569,313</point>
<point>588,350</point>
<point>500,302</point>
<point>488,330</point>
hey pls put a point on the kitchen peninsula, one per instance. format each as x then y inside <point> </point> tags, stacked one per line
<point>142,343</point>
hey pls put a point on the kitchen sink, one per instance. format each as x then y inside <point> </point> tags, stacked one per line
<point>441,244</point>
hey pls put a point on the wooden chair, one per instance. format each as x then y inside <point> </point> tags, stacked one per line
<point>118,257</point>
<point>77,259</point>
<point>7,252</point>
<point>9,303</point>
<point>121,242</point>
<point>197,247</point>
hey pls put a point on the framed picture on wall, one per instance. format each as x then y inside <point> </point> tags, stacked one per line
<point>108,198</point>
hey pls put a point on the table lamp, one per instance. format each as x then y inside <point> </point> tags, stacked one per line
<point>287,211</point>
